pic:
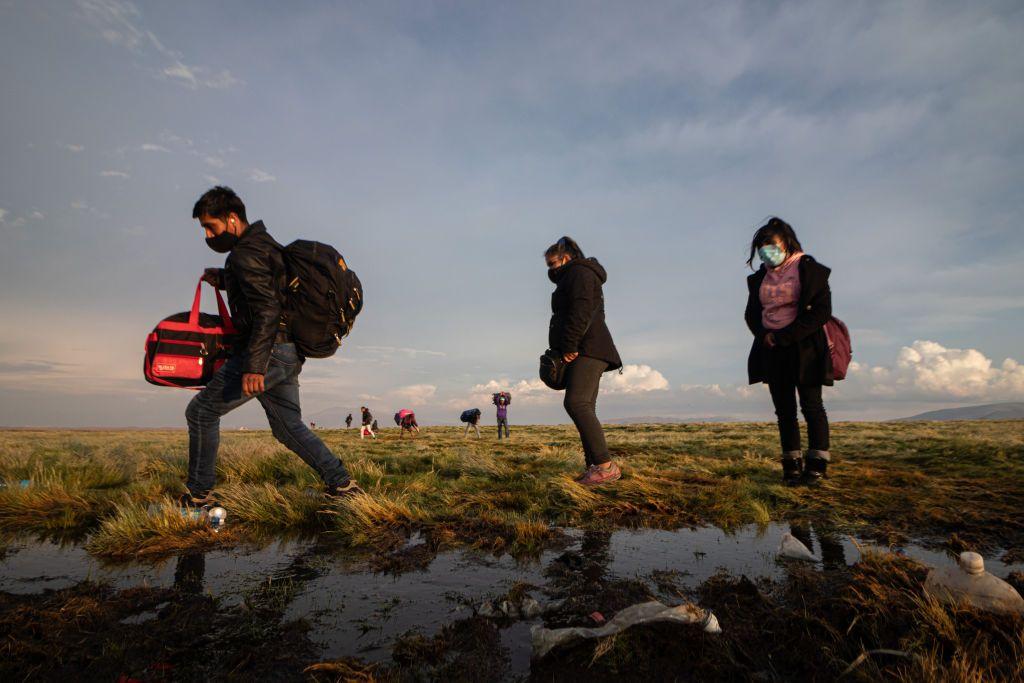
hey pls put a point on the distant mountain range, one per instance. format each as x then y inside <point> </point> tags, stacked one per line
<point>654,420</point>
<point>991,411</point>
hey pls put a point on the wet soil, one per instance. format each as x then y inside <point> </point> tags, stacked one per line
<point>305,608</point>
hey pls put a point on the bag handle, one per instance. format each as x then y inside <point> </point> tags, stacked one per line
<point>222,309</point>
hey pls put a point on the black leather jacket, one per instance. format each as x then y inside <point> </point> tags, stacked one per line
<point>577,312</point>
<point>255,279</point>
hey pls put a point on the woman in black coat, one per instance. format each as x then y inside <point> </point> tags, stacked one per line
<point>578,332</point>
<point>788,304</point>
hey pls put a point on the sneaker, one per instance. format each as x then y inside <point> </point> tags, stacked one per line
<point>188,501</point>
<point>583,475</point>
<point>345,490</point>
<point>598,475</point>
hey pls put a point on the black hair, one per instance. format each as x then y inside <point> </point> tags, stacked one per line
<point>766,234</point>
<point>218,202</point>
<point>565,246</point>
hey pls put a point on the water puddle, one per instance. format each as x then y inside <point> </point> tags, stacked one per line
<point>357,612</point>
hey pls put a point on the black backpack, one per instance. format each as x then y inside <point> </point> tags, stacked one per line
<point>323,296</point>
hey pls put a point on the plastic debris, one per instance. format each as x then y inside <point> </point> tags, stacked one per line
<point>597,618</point>
<point>969,582</point>
<point>792,548</point>
<point>526,608</point>
<point>545,639</point>
<point>530,608</point>
<point>217,516</point>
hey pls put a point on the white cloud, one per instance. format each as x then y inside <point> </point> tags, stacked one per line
<point>525,391</point>
<point>216,162</point>
<point>74,148</point>
<point>707,389</point>
<point>151,147</point>
<point>114,174</point>
<point>37,215</point>
<point>3,215</point>
<point>261,176</point>
<point>929,370</point>
<point>399,350</point>
<point>634,379</point>
<point>415,394</point>
<point>120,24</point>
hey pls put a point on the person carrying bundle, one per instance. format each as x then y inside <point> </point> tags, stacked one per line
<point>502,399</point>
<point>406,420</point>
<point>472,419</point>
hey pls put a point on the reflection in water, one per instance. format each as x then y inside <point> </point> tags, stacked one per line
<point>833,555</point>
<point>189,573</point>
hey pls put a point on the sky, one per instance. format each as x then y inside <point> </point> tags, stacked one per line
<point>441,147</point>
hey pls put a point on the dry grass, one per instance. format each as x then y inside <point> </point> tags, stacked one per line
<point>888,480</point>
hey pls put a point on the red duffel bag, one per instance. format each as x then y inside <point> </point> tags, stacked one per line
<point>185,349</point>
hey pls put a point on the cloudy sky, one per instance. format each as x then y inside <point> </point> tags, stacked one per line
<point>441,147</point>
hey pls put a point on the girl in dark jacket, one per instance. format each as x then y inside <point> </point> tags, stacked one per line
<point>578,332</point>
<point>788,304</point>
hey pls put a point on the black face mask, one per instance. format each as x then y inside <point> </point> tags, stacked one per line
<point>222,243</point>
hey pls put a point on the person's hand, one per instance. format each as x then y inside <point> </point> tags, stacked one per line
<point>570,357</point>
<point>769,340</point>
<point>252,384</point>
<point>212,275</point>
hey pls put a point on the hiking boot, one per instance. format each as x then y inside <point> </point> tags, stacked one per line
<point>815,467</point>
<point>344,490</point>
<point>597,475</point>
<point>792,467</point>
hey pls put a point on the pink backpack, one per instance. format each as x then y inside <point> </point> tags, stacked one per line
<point>838,347</point>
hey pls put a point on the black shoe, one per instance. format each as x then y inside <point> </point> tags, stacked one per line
<point>344,490</point>
<point>792,468</point>
<point>815,467</point>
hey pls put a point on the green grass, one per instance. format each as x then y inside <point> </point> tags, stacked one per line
<point>888,480</point>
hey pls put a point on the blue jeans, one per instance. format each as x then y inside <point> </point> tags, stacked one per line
<point>503,422</point>
<point>280,400</point>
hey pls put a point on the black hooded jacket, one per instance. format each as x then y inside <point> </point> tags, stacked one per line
<point>577,312</point>
<point>255,279</point>
<point>806,333</point>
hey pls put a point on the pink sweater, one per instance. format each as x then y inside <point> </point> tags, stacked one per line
<point>780,293</point>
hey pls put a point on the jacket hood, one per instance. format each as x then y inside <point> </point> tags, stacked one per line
<point>557,274</point>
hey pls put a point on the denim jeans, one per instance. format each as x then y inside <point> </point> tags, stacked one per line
<point>502,422</point>
<point>784,396</point>
<point>582,381</point>
<point>280,400</point>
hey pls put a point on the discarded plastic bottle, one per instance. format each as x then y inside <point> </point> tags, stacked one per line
<point>217,516</point>
<point>969,582</point>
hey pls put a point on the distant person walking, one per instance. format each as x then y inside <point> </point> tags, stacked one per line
<point>578,332</point>
<point>502,401</point>
<point>472,419</point>
<point>788,304</point>
<point>367,421</point>
<point>348,421</point>
<point>264,364</point>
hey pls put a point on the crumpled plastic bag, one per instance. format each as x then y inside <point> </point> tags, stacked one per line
<point>792,548</point>
<point>546,639</point>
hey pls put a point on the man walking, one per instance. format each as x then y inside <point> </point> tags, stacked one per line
<point>264,363</point>
<point>368,420</point>
<point>348,421</point>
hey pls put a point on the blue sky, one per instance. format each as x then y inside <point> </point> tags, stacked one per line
<point>441,147</point>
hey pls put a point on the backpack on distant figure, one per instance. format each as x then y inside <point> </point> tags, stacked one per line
<point>839,347</point>
<point>470,415</point>
<point>323,297</point>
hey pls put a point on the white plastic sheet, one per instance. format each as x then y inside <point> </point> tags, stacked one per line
<point>792,548</point>
<point>545,639</point>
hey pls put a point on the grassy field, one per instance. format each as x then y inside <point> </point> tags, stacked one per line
<point>950,485</point>
<point>955,484</point>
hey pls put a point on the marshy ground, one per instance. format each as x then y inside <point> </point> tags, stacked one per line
<point>100,574</point>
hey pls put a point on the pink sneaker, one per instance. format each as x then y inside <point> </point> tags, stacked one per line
<point>583,475</point>
<point>598,475</point>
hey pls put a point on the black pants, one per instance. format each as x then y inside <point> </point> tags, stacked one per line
<point>583,379</point>
<point>784,395</point>
<point>503,422</point>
